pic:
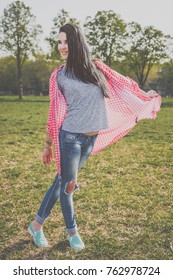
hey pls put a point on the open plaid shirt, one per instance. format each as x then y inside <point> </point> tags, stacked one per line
<point>126,106</point>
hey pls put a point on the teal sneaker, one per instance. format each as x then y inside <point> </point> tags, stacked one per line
<point>38,236</point>
<point>75,242</point>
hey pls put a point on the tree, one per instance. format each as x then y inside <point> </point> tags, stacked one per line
<point>143,48</point>
<point>165,80</point>
<point>61,19</point>
<point>104,33</point>
<point>36,75</point>
<point>8,76</point>
<point>19,35</point>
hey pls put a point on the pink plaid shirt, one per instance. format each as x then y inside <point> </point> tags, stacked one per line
<point>126,106</point>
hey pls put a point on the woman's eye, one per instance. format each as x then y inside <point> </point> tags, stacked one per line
<point>59,42</point>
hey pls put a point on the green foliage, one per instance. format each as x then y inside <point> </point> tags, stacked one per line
<point>124,205</point>
<point>123,68</point>
<point>165,80</point>
<point>104,33</point>
<point>36,74</point>
<point>61,19</point>
<point>8,76</point>
<point>19,31</point>
<point>143,48</point>
<point>19,35</point>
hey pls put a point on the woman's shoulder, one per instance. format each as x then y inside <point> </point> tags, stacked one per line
<point>56,71</point>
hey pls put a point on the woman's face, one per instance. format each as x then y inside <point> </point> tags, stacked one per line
<point>63,45</point>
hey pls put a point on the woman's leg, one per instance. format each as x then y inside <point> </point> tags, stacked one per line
<point>75,150</point>
<point>49,200</point>
<point>70,147</point>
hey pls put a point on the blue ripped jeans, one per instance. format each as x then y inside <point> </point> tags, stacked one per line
<point>75,148</point>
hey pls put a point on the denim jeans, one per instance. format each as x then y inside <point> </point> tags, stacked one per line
<point>75,148</point>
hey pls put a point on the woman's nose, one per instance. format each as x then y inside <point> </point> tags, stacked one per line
<point>63,46</point>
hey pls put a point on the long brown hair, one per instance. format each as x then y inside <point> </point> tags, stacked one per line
<point>79,62</point>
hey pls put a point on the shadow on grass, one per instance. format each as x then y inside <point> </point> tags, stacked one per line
<point>24,245</point>
<point>21,245</point>
<point>46,253</point>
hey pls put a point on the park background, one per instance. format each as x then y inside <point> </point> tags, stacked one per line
<point>124,206</point>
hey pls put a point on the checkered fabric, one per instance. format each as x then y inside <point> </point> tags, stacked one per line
<point>127,105</point>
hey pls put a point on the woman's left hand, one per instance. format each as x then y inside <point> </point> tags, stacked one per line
<point>152,93</point>
<point>47,156</point>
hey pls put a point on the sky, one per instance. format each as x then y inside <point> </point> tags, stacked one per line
<point>157,13</point>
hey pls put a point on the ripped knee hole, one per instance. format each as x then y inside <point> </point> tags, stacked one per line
<point>70,186</point>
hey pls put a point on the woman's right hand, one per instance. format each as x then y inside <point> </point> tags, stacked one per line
<point>47,156</point>
<point>152,93</point>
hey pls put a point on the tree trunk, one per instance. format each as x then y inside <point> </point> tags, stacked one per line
<point>20,82</point>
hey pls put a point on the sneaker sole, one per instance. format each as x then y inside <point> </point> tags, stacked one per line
<point>76,249</point>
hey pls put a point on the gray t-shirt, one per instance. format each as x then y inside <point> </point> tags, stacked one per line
<point>85,104</point>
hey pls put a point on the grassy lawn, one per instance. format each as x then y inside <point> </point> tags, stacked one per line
<point>124,208</point>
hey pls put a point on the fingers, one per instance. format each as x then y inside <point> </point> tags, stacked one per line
<point>47,158</point>
<point>47,162</point>
<point>152,93</point>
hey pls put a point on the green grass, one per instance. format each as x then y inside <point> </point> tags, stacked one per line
<point>124,208</point>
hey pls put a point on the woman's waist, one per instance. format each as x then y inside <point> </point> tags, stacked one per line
<point>92,133</point>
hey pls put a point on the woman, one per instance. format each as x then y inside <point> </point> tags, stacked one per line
<point>91,107</point>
